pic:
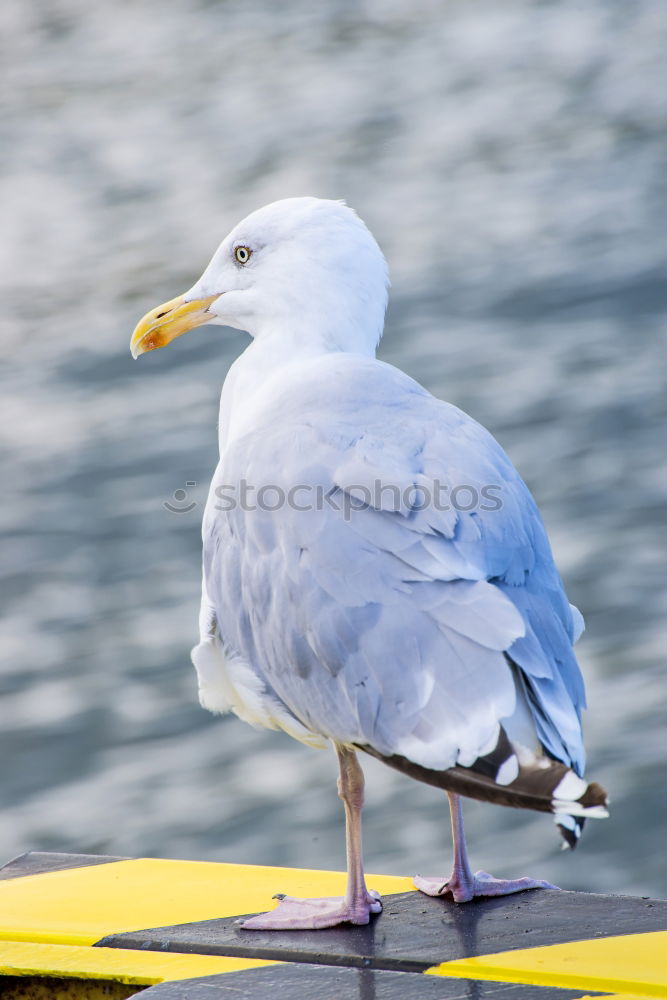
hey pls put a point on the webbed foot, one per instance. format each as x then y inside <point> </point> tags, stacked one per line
<point>463,887</point>
<point>293,914</point>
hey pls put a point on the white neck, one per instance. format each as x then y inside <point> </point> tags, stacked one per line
<point>264,359</point>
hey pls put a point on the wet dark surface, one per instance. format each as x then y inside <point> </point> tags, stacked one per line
<point>294,982</point>
<point>415,932</point>
<point>38,863</point>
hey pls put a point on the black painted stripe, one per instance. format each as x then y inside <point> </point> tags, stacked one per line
<point>415,932</point>
<point>39,862</point>
<point>302,982</point>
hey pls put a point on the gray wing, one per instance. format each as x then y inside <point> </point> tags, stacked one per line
<point>374,616</point>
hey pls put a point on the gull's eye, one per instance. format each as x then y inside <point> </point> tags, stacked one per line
<point>242,254</point>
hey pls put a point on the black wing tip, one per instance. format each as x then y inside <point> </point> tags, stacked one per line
<point>570,828</point>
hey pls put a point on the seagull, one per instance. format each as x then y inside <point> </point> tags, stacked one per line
<point>376,575</point>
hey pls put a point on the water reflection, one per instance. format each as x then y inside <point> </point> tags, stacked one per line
<point>511,162</point>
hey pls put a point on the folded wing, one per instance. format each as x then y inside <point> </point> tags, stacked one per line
<point>393,587</point>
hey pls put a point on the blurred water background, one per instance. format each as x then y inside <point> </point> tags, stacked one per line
<point>512,161</point>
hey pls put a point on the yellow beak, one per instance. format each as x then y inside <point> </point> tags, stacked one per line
<point>166,322</point>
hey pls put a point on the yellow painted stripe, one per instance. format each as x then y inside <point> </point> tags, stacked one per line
<point>81,905</point>
<point>631,963</point>
<point>18,958</point>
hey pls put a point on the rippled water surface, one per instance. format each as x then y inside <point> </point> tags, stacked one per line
<point>512,161</point>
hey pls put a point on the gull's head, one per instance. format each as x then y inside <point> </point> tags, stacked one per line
<point>306,271</point>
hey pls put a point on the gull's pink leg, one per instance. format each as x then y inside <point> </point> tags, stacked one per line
<point>462,885</point>
<point>359,902</point>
